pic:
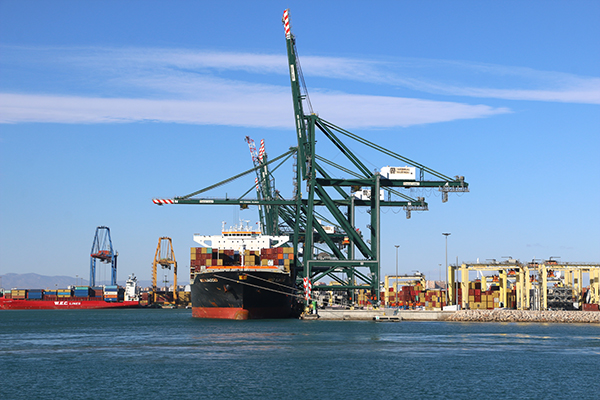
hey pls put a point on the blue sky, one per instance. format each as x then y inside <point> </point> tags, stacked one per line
<point>105,105</point>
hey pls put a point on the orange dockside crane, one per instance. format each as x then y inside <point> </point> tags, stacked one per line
<point>165,257</point>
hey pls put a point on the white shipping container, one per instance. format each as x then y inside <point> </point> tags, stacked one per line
<point>402,173</point>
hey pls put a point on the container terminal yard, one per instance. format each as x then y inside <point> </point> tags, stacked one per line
<point>309,247</point>
<point>507,291</point>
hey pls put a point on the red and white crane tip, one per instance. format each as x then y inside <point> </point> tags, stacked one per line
<point>160,202</point>
<point>286,23</point>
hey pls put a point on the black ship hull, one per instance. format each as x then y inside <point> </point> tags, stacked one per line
<point>243,295</point>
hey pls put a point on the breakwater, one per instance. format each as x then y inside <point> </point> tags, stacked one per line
<point>526,316</point>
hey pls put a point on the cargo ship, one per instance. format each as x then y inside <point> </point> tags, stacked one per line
<point>242,274</point>
<point>74,298</point>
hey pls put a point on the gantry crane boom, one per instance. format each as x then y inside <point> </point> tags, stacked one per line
<point>297,96</point>
<point>265,189</point>
<point>257,180</point>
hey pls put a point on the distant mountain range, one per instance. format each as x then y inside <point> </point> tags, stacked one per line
<point>36,281</point>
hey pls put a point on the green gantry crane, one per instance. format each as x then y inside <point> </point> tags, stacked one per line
<point>348,259</point>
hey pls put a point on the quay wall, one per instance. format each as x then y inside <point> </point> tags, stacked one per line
<point>496,315</point>
<point>403,315</point>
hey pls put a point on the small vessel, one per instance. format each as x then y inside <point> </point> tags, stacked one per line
<point>73,298</point>
<point>242,274</point>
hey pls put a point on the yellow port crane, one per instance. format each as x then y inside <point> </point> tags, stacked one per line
<point>165,257</point>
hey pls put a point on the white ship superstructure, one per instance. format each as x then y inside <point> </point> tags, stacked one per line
<point>240,238</point>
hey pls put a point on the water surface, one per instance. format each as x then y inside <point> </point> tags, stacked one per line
<point>155,354</point>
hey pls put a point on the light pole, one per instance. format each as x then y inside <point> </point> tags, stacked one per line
<point>446,234</point>
<point>396,280</point>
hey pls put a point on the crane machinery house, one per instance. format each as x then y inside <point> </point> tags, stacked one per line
<point>365,194</point>
<point>400,173</point>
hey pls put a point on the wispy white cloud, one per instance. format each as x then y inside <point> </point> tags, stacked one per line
<point>509,83</point>
<point>270,110</point>
<point>110,85</point>
<point>586,93</point>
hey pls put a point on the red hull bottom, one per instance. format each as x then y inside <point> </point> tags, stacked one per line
<point>239,313</point>
<point>12,304</point>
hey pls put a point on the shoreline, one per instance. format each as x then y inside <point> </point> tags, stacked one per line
<point>568,317</point>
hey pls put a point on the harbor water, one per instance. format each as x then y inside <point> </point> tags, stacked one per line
<point>156,354</point>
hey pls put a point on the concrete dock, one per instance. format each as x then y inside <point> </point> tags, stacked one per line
<point>382,314</point>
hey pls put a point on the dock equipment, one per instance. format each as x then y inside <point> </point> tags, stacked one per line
<point>321,219</point>
<point>102,250</point>
<point>165,257</point>
<point>537,285</point>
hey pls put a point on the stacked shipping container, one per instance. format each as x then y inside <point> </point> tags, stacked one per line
<point>114,293</point>
<point>407,297</point>
<point>417,296</point>
<point>209,257</point>
<point>111,293</point>
<point>489,299</point>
